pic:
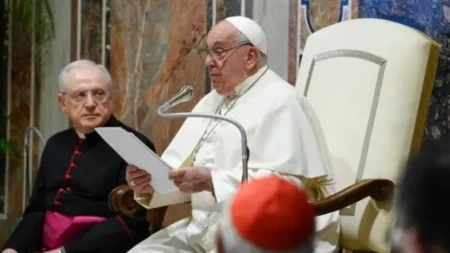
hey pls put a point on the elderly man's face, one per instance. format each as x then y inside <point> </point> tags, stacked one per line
<point>87,98</point>
<point>229,61</point>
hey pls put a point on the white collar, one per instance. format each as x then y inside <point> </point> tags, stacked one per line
<point>249,81</point>
<point>81,135</point>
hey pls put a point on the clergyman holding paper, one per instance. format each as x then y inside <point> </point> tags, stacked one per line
<point>207,153</point>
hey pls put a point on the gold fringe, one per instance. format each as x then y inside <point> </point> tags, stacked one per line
<point>316,188</point>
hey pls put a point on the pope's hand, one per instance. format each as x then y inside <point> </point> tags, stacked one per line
<point>139,180</point>
<point>193,179</point>
<point>9,251</point>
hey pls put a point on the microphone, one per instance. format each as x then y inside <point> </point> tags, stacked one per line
<point>185,94</point>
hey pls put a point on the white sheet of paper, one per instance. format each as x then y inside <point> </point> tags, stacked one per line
<point>134,152</point>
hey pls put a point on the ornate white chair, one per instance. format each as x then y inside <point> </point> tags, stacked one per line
<point>369,82</point>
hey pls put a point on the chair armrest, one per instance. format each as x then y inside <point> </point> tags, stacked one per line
<point>377,189</point>
<point>121,200</point>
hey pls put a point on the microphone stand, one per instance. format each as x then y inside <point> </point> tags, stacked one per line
<point>162,111</point>
<point>27,173</point>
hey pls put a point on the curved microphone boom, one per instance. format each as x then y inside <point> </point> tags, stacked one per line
<point>185,94</point>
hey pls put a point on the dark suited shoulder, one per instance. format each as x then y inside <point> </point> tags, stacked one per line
<point>60,137</point>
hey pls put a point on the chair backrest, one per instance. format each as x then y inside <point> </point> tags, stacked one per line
<point>369,82</point>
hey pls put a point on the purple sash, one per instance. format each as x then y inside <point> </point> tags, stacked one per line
<point>59,229</point>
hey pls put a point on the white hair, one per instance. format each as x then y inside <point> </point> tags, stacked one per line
<point>62,79</point>
<point>242,39</point>
<point>233,242</point>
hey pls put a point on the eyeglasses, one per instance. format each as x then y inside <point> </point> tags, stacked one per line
<point>218,53</point>
<point>81,96</point>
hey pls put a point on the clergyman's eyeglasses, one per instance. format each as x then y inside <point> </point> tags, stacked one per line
<point>81,96</point>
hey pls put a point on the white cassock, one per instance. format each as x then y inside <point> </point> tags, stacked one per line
<point>283,138</point>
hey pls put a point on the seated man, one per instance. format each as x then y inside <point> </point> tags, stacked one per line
<point>281,220</point>
<point>422,214</point>
<point>207,153</point>
<point>68,210</point>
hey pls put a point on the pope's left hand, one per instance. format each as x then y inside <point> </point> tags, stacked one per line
<point>192,179</point>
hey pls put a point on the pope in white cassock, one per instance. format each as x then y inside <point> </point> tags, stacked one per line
<point>283,138</point>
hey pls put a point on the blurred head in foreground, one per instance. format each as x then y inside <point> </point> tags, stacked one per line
<point>268,215</point>
<point>423,191</point>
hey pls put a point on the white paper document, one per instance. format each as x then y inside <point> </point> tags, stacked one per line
<point>134,152</point>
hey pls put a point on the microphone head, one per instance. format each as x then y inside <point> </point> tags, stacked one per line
<point>185,94</point>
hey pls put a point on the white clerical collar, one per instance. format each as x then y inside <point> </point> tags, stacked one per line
<point>81,135</point>
<point>249,81</point>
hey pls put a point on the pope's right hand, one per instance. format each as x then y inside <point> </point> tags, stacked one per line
<point>139,180</point>
<point>9,251</point>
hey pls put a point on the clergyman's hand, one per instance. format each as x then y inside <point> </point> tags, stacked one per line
<point>192,179</point>
<point>139,180</point>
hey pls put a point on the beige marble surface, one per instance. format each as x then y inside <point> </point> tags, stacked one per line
<point>153,55</point>
<point>91,31</point>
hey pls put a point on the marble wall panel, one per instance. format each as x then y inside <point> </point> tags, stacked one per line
<point>19,118</point>
<point>3,104</point>
<point>153,55</point>
<point>91,30</point>
<point>293,41</point>
<point>227,8</point>
<point>3,97</point>
<point>221,10</point>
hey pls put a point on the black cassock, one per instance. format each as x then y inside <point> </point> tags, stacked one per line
<point>75,178</point>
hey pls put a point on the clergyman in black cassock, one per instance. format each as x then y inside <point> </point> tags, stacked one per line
<point>68,210</point>
<point>75,178</point>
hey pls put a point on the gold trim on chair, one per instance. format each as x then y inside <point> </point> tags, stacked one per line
<point>428,84</point>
